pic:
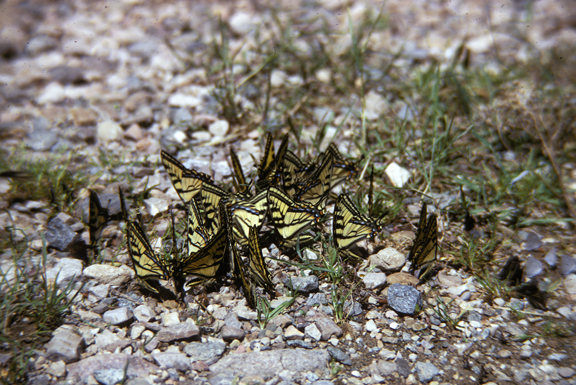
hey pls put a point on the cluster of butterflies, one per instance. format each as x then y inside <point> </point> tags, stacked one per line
<point>287,194</point>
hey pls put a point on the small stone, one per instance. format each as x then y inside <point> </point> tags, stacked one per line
<point>567,264</point>
<point>324,76</point>
<point>291,333</point>
<point>170,319</point>
<point>41,43</point>
<point>58,234</point>
<point>533,267</point>
<point>371,326</point>
<point>374,280</point>
<point>109,131</point>
<point>155,206</point>
<point>551,257</point>
<point>402,278</point>
<point>404,299</point>
<point>66,345</point>
<point>376,105</point>
<point>570,285</point>
<point>398,176</point>
<point>182,331</point>
<point>111,275</point>
<point>67,74</point>
<point>143,313</point>
<point>42,140</point>
<point>53,93</point>
<point>109,376</point>
<point>230,333</point>
<point>110,341</point>
<point>242,22</point>
<point>387,259</point>
<point>566,372</point>
<point>208,352</point>
<point>426,371</point>
<point>327,328</point>
<point>316,299</point>
<point>303,284</point>
<point>117,317</point>
<point>449,280</point>
<point>184,101</point>
<point>57,369</point>
<point>66,270</point>
<point>387,354</point>
<point>178,361</point>
<point>532,242</point>
<point>403,367</point>
<point>99,291</point>
<point>339,355</point>
<point>137,331</point>
<point>504,353</point>
<point>386,368</point>
<point>219,128</point>
<point>134,132</point>
<point>313,332</point>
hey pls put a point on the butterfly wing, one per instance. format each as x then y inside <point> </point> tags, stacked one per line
<point>98,218</point>
<point>187,183</point>
<point>423,252</point>
<point>258,268</point>
<point>350,226</point>
<point>290,217</point>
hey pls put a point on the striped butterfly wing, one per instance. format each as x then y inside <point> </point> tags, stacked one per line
<point>350,226</point>
<point>206,261</point>
<point>240,183</point>
<point>290,217</point>
<point>423,252</point>
<point>266,166</point>
<point>258,268</point>
<point>317,186</point>
<point>294,171</point>
<point>197,236</point>
<point>343,169</point>
<point>187,183</point>
<point>210,198</point>
<point>98,218</point>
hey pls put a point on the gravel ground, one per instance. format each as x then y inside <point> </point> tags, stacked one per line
<point>131,78</point>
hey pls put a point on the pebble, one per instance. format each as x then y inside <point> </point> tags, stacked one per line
<point>313,332</point>
<point>155,206</point>
<point>404,299</point>
<point>376,105</point>
<point>118,317</point>
<point>426,371</point>
<point>533,267</point>
<point>291,333</point>
<point>58,234</point>
<point>134,365</point>
<point>551,257</point>
<point>403,367</point>
<point>219,128</point>
<point>208,352</point>
<point>109,275</point>
<point>177,361</point>
<point>303,284</point>
<point>566,372</point>
<point>143,313</point>
<point>181,331</point>
<point>230,333</point>
<point>371,326</point>
<point>170,319</point>
<point>109,131</point>
<point>398,175</point>
<point>109,376</point>
<point>66,345</point>
<point>57,369</point>
<point>66,270</point>
<point>339,355</point>
<point>532,242</point>
<point>504,353</point>
<point>374,280</point>
<point>567,264</point>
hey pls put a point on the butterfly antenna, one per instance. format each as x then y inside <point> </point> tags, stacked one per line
<point>371,193</point>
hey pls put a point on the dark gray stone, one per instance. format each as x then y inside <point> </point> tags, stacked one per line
<point>567,264</point>
<point>181,331</point>
<point>267,364</point>
<point>352,308</point>
<point>316,299</point>
<point>533,267</point>
<point>303,284</point>
<point>339,355</point>
<point>300,344</point>
<point>404,299</point>
<point>426,371</point>
<point>136,366</point>
<point>403,367</point>
<point>58,234</point>
<point>209,352</point>
<point>66,345</point>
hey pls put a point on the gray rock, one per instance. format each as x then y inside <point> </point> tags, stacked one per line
<point>339,355</point>
<point>231,333</point>
<point>135,366</point>
<point>374,280</point>
<point>267,364</point>
<point>172,360</point>
<point>209,352</point>
<point>106,274</point>
<point>551,257</point>
<point>567,264</point>
<point>387,368</point>
<point>404,299</point>
<point>316,299</point>
<point>532,242</point>
<point>303,284</point>
<point>327,328</point>
<point>566,372</point>
<point>533,267</point>
<point>58,234</point>
<point>300,344</point>
<point>182,117</point>
<point>387,259</point>
<point>403,367</point>
<point>118,317</point>
<point>109,376</point>
<point>352,308</point>
<point>143,313</point>
<point>474,316</point>
<point>222,379</point>
<point>426,371</point>
<point>144,48</point>
<point>66,345</point>
<point>138,381</point>
<point>557,357</point>
<point>181,331</point>
<point>67,75</point>
<point>66,270</point>
<point>110,341</point>
<point>232,321</point>
<point>42,140</point>
<point>313,332</point>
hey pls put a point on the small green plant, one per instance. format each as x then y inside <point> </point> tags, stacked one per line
<point>30,307</point>
<point>264,308</point>
<point>442,311</point>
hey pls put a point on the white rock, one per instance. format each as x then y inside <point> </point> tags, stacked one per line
<point>219,128</point>
<point>394,325</point>
<point>387,259</point>
<point>155,206</point>
<point>387,354</point>
<point>277,78</point>
<point>324,76</point>
<point>570,284</point>
<point>53,93</point>
<point>65,270</point>
<point>179,136</point>
<point>375,105</point>
<point>169,319</point>
<point>183,100</point>
<point>398,176</point>
<point>201,136</point>
<point>309,254</point>
<point>371,326</point>
<point>374,280</point>
<point>99,291</point>
<point>291,333</point>
<point>313,332</point>
<point>109,131</point>
<point>106,274</point>
<point>143,313</point>
<point>458,290</point>
<point>242,22</point>
<point>118,316</point>
<point>136,331</point>
<point>4,186</point>
<point>57,369</point>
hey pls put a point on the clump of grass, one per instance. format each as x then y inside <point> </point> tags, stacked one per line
<point>30,308</point>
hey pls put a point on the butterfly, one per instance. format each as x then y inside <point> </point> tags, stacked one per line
<point>269,169</point>
<point>259,270</point>
<point>98,218</point>
<point>146,263</point>
<point>350,225</point>
<point>423,252</point>
<point>187,183</point>
<point>242,188</point>
<point>291,217</point>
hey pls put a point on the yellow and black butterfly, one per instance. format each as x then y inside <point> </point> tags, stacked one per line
<point>343,169</point>
<point>209,200</point>
<point>317,186</point>
<point>423,252</point>
<point>258,268</point>
<point>291,217</point>
<point>350,226</point>
<point>269,169</point>
<point>98,218</point>
<point>187,183</point>
<point>240,184</point>
<point>146,263</point>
